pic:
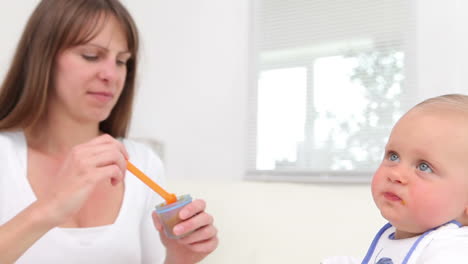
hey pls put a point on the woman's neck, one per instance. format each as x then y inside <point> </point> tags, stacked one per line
<point>56,136</point>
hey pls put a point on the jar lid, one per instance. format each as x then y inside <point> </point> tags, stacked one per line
<point>181,201</point>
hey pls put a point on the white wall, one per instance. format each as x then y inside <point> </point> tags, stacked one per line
<point>194,84</point>
<point>442,47</point>
<point>13,17</point>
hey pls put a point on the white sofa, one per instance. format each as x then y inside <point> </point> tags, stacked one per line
<point>268,223</point>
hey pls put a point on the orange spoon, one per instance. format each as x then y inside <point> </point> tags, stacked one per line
<point>169,197</point>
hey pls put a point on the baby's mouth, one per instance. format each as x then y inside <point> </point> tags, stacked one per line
<point>393,197</point>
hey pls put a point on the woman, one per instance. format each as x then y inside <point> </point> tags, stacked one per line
<point>64,196</point>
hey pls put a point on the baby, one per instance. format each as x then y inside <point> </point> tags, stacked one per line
<point>421,187</point>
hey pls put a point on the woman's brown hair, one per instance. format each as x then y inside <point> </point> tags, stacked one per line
<point>54,26</point>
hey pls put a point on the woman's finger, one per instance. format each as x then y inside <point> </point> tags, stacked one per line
<point>191,224</point>
<point>204,247</point>
<point>106,139</point>
<point>110,172</point>
<point>201,234</point>
<point>193,208</point>
<point>110,156</point>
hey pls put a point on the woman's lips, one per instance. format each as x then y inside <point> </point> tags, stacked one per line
<point>102,96</point>
<point>392,197</point>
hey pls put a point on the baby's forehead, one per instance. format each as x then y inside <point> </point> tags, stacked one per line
<point>429,125</point>
<point>431,120</point>
<point>432,133</point>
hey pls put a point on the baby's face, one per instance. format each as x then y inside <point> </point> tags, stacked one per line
<point>422,181</point>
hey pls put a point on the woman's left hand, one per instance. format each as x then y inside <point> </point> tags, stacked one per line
<point>195,246</point>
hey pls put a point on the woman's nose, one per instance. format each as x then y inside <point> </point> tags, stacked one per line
<point>108,71</point>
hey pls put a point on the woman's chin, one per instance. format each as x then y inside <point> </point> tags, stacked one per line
<point>95,117</point>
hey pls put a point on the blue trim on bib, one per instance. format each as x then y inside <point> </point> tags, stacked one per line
<point>371,249</point>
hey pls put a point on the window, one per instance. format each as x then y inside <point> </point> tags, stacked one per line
<point>331,81</point>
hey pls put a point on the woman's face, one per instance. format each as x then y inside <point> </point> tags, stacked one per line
<point>89,78</point>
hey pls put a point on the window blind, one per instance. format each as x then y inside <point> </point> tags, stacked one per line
<point>330,78</point>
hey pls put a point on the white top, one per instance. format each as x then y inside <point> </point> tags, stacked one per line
<point>446,244</point>
<point>131,239</point>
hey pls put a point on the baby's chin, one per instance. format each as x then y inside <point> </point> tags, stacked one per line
<point>406,229</point>
<point>412,226</point>
<point>403,226</point>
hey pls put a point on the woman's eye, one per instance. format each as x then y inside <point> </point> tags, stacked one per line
<point>90,57</point>
<point>424,167</point>
<point>393,157</point>
<point>122,62</point>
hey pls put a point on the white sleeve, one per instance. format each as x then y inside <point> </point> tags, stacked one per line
<point>340,260</point>
<point>153,251</point>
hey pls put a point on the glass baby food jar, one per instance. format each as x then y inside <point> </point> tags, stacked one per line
<point>169,214</point>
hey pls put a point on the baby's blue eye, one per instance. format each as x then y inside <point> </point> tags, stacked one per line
<point>424,167</point>
<point>394,157</point>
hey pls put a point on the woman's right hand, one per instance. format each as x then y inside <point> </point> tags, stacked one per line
<point>100,159</point>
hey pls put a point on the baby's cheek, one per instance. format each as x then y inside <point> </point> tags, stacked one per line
<point>429,211</point>
<point>377,181</point>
